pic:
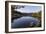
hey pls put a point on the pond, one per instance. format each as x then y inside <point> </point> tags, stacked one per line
<point>24,22</point>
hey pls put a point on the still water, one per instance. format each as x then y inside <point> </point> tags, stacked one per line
<point>24,22</point>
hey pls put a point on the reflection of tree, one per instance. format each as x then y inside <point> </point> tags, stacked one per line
<point>15,13</point>
<point>37,15</point>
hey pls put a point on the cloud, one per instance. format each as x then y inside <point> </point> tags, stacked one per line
<point>29,9</point>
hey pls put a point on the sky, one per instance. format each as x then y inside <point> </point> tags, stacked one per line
<point>30,9</point>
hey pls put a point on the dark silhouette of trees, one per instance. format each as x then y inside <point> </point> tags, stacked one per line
<point>16,14</point>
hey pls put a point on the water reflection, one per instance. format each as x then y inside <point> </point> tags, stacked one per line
<point>26,21</point>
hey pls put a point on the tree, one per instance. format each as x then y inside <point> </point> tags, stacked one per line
<point>15,13</point>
